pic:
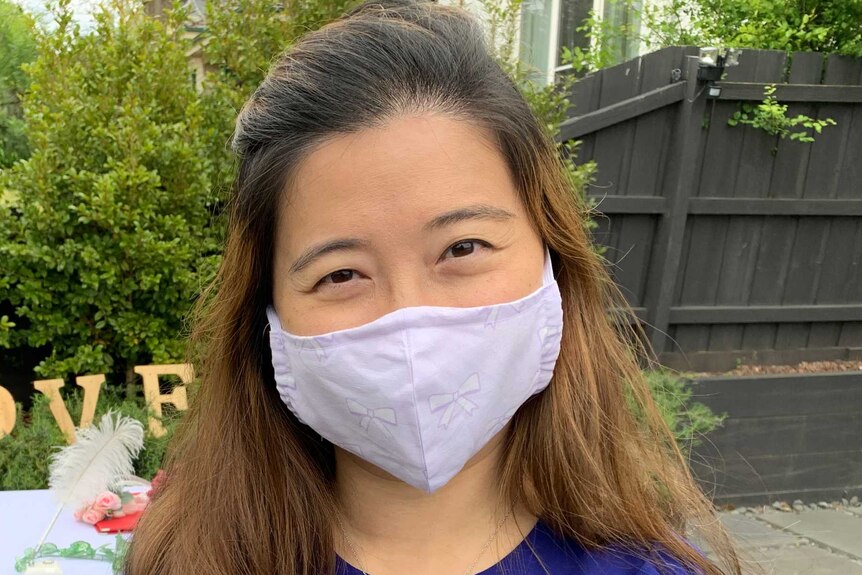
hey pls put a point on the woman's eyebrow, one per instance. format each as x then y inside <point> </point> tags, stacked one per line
<point>474,212</point>
<point>315,252</point>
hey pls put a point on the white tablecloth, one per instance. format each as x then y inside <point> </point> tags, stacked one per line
<point>24,516</point>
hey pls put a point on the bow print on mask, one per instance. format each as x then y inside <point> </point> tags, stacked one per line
<point>381,415</point>
<point>451,401</point>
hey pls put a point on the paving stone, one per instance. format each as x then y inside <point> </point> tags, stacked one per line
<point>778,551</point>
<point>836,529</point>
<point>749,533</point>
<point>803,560</point>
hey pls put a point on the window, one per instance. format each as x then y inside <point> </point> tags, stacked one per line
<point>619,17</point>
<point>549,25</point>
<point>571,17</point>
<point>536,19</point>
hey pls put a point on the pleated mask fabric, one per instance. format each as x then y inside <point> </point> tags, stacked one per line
<point>419,390</point>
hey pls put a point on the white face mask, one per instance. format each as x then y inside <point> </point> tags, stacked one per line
<point>418,391</point>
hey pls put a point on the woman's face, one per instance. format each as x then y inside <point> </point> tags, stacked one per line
<point>420,211</point>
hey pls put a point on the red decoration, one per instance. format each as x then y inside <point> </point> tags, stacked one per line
<point>118,524</point>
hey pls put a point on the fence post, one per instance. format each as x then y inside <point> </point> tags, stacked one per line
<point>683,169</point>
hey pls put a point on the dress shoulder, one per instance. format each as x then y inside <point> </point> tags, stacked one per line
<point>570,558</point>
<point>665,564</point>
<point>655,561</point>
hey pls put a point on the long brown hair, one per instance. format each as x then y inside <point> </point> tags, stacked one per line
<point>250,488</point>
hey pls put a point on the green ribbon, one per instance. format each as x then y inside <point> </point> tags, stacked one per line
<point>77,550</point>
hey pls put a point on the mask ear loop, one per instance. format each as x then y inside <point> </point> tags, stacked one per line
<point>267,310</point>
<point>548,270</point>
<point>268,323</point>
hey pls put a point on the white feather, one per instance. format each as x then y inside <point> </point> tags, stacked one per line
<point>100,455</point>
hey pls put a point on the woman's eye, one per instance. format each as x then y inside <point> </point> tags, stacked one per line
<point>465,248</point>
<point>337,277</point>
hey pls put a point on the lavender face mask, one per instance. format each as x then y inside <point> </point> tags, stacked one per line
<point>418,391</point>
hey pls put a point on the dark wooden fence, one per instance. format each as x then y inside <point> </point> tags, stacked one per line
<point>729,243</point>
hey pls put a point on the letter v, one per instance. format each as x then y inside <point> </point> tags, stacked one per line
<point>92,385</point>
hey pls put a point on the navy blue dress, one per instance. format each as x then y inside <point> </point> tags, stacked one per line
<point>564,557</point>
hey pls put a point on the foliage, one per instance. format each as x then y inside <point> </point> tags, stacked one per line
<point>549,102</point>
<point>688,420</point>
<point>826,26</point>
<point>605,39</point>
<point>5,329</point>
<point>17,46</point>
<point>24,455</point>
<point>245,36</point>
<point>108,234</point>
<point>771,117</point>
<point>242,39</point>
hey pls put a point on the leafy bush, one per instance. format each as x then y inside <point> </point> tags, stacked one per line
<point>241,39</point>
<point>5,330</point>
<point>24,455</point>
<point>107,238</point>
<point>17,47</point>
<point>107,232</point>
<point>828,26</point>
<point>688,420</point>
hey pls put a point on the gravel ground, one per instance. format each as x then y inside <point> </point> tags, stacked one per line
<point>803,367</point>
<point>797,506</point>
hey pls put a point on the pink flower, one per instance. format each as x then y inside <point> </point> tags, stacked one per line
<point>80,512</point>
<point>92,516</point>
<point>108,500</point>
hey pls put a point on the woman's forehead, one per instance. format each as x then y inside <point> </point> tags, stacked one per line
<point>410,167</point>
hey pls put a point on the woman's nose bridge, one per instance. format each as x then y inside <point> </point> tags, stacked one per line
<point>410,289</point>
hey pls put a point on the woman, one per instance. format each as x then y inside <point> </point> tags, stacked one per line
<point>408,365</point>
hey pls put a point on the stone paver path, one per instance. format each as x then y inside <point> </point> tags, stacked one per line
<point>835,529</point>
<point>811,542</point>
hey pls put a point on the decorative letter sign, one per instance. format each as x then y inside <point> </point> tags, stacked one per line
<point>92,386</point>
<point>155,398</point>
<point>7,412</point>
